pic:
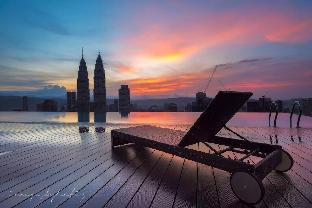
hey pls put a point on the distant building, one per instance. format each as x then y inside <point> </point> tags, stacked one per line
<point>124,98</point>
<point>171,107</point>
<point>307,106</point>
<point>154,108</point>
<point>63,108</point>
<point>47,106</point>
<point>71,101</point>
<point>83,93</point>
<point>134,107</point>
<point>264,104</point>
<point>252,106</point>
<point>279,104</point>
<point>114,106</point>
<point>99,91</point>
<point>25,103</point>
<point>188,107</point>
<point>202,102</point>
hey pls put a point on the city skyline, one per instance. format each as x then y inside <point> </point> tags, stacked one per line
<point>165,49</point>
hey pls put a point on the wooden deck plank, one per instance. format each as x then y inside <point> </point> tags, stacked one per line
<point>288,191</point>
<point>54,170</point>
<point>133,159</point>
<point>118,182</point>
<point>42,153</point>
<point>76,190</point>
<point>125,193</point>
<point>67,172</point>
<point>59,162</point>
<point>207,195</point>
<point>103,163</point>
<point>187,189</point>
<point>145,195</point>
<point>166,192</point>
<point>46,162</point>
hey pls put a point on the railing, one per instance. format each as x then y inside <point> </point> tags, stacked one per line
<point>274,107</point>
<point>296,103</point>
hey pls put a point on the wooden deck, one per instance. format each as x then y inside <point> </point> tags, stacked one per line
<point>52,165</point>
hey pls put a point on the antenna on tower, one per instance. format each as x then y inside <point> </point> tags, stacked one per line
<point>82,52</point>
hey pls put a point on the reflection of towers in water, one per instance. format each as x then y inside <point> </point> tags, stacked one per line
<point>99,95</point>
<point>83,96</point>
<point>124,101</point>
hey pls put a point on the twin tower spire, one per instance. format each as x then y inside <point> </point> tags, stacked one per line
<point>83,91</point>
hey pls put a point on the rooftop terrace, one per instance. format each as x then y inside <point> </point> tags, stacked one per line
<point>52,165</point>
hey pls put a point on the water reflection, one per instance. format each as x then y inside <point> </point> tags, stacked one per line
<point>293,134</point>
<point>99,121</point>
<point>124,114</point>
<point>161,118</point>
<point>83,121</point>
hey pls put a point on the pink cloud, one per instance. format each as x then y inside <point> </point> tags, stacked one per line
<point>178,39</point>
<point>271,77</point>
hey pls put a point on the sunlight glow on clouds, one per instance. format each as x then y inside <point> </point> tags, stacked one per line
<point>160,48</point>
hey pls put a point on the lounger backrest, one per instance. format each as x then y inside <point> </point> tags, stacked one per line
<point>221,109</point>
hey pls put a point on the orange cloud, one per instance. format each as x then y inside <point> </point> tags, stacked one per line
<point>166,84</point>
<point>175,40</point>
<point>123,68</point>
<point>262,76</point>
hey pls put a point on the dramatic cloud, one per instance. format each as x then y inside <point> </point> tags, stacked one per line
<point>176,39</point>
<point>13,78</point>
<point>160,48</point>
<point>262,76</point>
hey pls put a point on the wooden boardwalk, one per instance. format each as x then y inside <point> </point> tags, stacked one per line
<point>52,165</point>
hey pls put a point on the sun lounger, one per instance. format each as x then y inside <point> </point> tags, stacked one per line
<point>246,179</point>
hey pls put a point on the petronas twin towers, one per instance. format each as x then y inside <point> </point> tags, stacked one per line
<point>83,91</point>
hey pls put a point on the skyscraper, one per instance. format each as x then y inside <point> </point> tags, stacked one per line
<point>99,94</point>
<point>99,91</point>
<point>124,99</point>
<point>83,93</point>
<point>83,96</point>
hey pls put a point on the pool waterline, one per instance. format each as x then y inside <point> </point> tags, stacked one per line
<point>168,118</point>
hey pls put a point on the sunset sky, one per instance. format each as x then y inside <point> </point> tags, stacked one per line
<point>160,48</point>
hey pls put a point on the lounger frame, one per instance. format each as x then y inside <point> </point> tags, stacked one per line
<point>270,154</point>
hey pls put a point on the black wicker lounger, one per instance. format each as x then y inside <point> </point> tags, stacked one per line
<point>246,179</point>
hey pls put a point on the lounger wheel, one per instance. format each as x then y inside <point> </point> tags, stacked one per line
<point>247,187</point>
<point>286,163</point>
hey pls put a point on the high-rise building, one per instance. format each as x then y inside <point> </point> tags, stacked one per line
<point>202,102</point>
<point>71,101</point>
<point>99,91</point>
<point>83,93</point>
<point>124,99</point>
<point>83,97</point>
<point>25,103</point>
